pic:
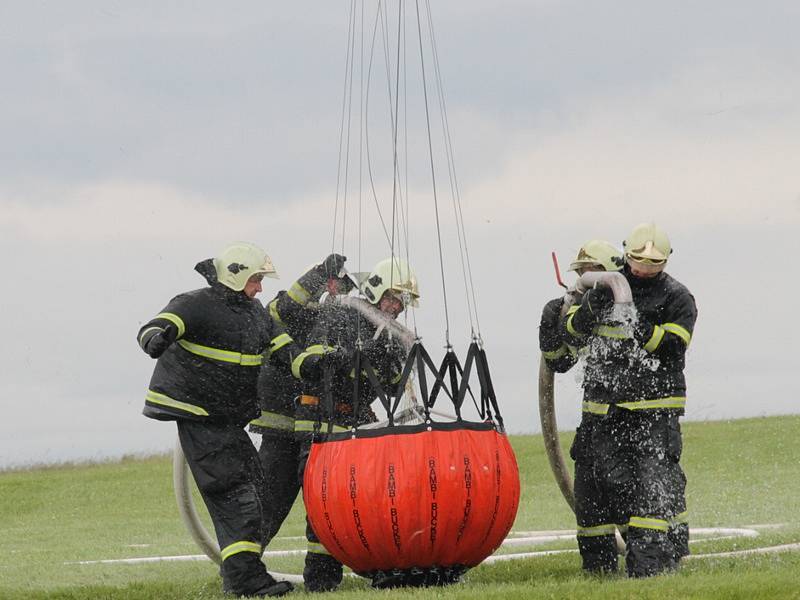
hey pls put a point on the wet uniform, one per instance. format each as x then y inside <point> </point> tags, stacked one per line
<point>558,355</point>
<point>206,382</point>
<point>341,327</point>
<point>279,453</point>
<point>628,446</point>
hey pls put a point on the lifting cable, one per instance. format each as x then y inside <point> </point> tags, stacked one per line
<point>466,266</point>
<point>396,67</point>
<point>378,19</point>
<point>395,128</point>
<point>344,132</point>
<point>433,177</point>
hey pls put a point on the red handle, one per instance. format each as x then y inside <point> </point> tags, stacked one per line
<point>558,272</point>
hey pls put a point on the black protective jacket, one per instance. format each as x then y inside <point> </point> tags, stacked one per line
<point>277,387</point>
<point>210,371</point>
<point>296,310</point>
<point>342,327</point>
<point>638,367</point>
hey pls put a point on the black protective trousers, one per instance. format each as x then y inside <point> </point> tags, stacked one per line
<point>283,460</point>
<point>279,454</point>
<point>628,476</point>
<point>225,467</point>
<point>322,572</point>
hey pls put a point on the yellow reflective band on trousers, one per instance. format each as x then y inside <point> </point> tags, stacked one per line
<point>649,523</point>
<point>273,312</point>
<point>156,398</point>
<point>655,340</point>
<point>175,320</point>
<point>315,350</point>
<point>617,333</point>
<point>271,420</point>
<point>680,519</point>
<point>299,294</point>
<point>236,358</point>
<point>316,548</point>
<point>596,530</point>
<point>237,547</point>
<point>279,342</point>
<point>601,408</point>
<point>301,425</point>
<point>676,329</point>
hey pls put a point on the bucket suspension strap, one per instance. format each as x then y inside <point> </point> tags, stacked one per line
<point>362,366</point>
<point>452,366</point>
<point>487,387</point>
<point>327,398</point>
<point>477,356</point>
<point>356,383</point>
<point>418,357</point>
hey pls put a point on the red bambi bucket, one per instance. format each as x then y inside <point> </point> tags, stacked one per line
<point>420,496</point>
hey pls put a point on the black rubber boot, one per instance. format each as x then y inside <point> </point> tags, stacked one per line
<point>649,553</point>
<point>679,536</point>
<point>322,573</point>
<point>279,588</point>
<point>245,575</point>
<point>599,554</point>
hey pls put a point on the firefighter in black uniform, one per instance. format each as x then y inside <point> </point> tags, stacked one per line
<point>209,344</point>
<point>594,255</point>
<point>390,287</point>
<point>628,446</point>
<point>297,310</point>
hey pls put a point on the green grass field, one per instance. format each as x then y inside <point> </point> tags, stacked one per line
<point>741,473</point>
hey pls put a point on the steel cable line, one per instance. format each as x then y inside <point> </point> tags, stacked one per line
<point>394,138</point>
<point>348,101</point>
<point>405,160</point>
<point>366,122</point>
<point>360,143</point>
<point>399,226</point>
<point>394,118</point>
<point>350,33</point>
<point>433,177</point>
<point>466,267</point>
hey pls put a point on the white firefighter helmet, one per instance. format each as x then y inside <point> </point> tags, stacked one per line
<point>393,274</point>
<point>597,253</point>
<point>648,246</point>
<point>239,262</point>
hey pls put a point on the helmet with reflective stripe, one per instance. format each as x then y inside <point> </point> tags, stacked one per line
<point>648,246</point>
<point>597,253</point>
<point>395,275</point>
<point>239,262</point>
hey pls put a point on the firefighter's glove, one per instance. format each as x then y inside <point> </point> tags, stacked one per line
<point>315,280</point>
<point>162,340</point>
<point>594,303</point>
<point>332,265</point>
<point>549,339</point>
<point>338,361</point>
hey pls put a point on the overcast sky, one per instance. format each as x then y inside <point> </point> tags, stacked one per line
<point>139,138</point>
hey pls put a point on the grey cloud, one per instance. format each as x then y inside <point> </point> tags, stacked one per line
<point>171,92</point>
